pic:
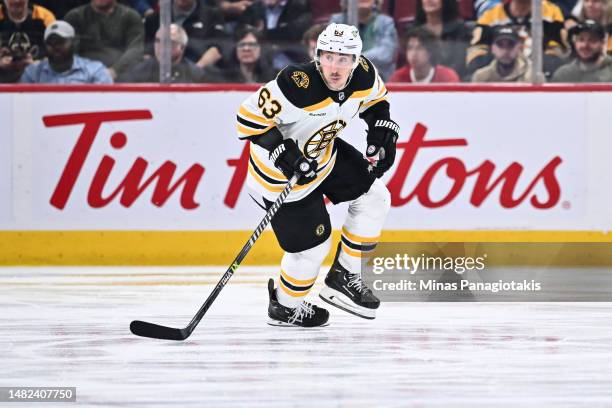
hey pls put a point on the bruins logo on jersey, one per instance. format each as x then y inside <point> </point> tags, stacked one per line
<point>301,79</point>
<point>364,64</point>
<point>320,140</point>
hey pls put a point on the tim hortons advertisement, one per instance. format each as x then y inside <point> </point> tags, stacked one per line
<point>168,161</point>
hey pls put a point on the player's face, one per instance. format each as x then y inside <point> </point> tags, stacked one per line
<point>588,46</point>
<point>506,50</point>
<point>248,49</point>
<point>416,54</point>
<point>336,68</point>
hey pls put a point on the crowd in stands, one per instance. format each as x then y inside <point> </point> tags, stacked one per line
<point>249,41</point>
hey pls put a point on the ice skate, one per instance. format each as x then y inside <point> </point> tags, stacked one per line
<point>305,315</point>
<point>347,291</point>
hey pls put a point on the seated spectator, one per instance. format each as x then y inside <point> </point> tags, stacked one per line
<point>597,10</point>
<point>421,48</point>
<point>60,8</point>
<point>280,20</point>
<point>309,40</point>
<point>441,17</point>
<point>518,14</point>
<point>203,25</point>
<point>590,63</point>
<point>108,32</point>
<point>377,31</point>
<point>62,66</point>
<point>509,64</point>
<point>22,28</point>
<point>246,65</point>
<point>183,71</point>
<point>144,7</point>
<point>231,10</point>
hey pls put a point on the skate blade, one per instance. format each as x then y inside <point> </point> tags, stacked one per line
<point>278,323</point>
<point>341,301</point>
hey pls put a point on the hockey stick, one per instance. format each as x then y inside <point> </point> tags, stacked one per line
<point>155,331</point>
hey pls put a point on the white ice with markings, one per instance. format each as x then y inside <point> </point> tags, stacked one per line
<point>70,327</point>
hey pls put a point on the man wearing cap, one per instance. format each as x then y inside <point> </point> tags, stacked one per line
<point>21,36</point>
<point>509,64</point>
<point>590,63</point>
<point>62,66</point>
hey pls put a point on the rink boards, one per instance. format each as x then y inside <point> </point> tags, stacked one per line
<point>149,175</point>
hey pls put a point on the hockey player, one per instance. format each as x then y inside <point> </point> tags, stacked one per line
<point>293,123</point>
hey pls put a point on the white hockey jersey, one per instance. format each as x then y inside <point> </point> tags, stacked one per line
<point>301,106</point>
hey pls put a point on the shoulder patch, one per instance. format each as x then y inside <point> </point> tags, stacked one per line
<point>301,79</point>
<point>302,85</point>
<point>364,64</point>
<point>363,76</point>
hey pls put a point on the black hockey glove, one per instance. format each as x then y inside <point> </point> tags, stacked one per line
<point>381,141</point>
<point>288,159</point>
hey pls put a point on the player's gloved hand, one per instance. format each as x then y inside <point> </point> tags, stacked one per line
<point>288,159</point>
<point>381,143</point>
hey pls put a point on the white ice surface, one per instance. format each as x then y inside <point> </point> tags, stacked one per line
<point>70,327</point>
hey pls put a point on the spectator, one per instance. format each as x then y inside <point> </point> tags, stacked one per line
<point>518,14</point>
<point>22,28</point>
<point>441,17</point>
<point>280,20</point>
<point>183,71</point>
<point>421,48</point>
<point>231,10</point>
<point>309,39</point>
<point>590,63</point>
<point>62,66</point>
<point>377,31</point>
<point>597,10</point>
<point>144,7</point>
<point>60,8</point>
<point>108,32</point>
<point>509,64</point>
<point>204,28</point>
<point>246,65</point>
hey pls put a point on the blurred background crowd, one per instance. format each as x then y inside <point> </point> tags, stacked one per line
<point>249,41</point>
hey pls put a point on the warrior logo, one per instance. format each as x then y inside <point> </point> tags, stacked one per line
<point>320,140</point>
<point>301,79</point>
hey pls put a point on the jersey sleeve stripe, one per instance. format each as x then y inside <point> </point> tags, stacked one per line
<point>249,123</point>
<point>372,103</point>
<point>326,102</point>
<point>264,176</point>
<point>251,132</point>
<point>278,188</point>
<point>250,115</point>
<point>275,174</point>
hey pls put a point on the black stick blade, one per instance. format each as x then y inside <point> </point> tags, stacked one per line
<point>155,331</point>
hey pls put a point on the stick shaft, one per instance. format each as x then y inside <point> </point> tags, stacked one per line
<point>243,252</point>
